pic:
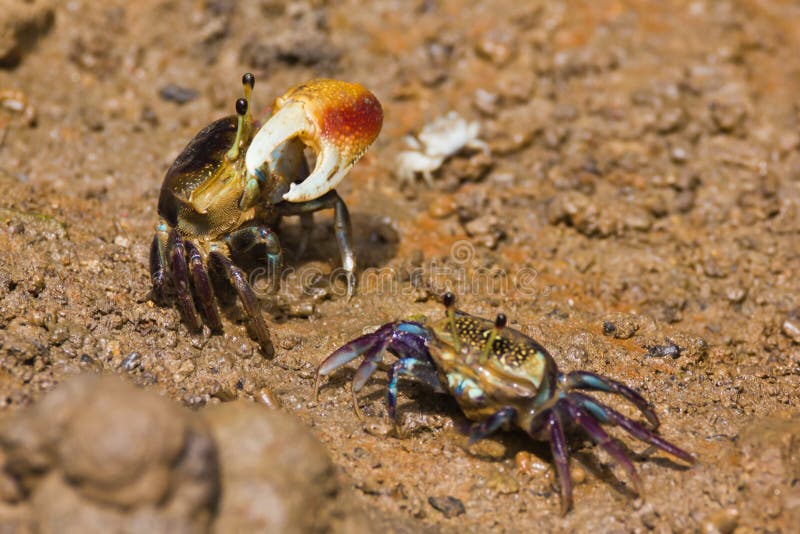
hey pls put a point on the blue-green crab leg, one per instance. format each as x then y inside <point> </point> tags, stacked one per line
<point>202,284</point>
<point>341,226</point>
<point>608,415</point>
<point>180,273</point>
<point>491,424</point>
<point>421,370</point>
<point>593,382</point>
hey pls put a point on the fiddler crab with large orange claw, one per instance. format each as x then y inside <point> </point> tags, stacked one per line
<point>231,185</point>
<point>501,378</point>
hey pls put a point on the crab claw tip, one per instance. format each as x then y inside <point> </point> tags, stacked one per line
<point>339,120</point>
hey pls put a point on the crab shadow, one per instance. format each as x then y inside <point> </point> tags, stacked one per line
<point>375,243</point>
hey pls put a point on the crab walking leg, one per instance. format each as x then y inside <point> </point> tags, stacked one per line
<point>158,261</point>
<point>421,370</point>
<point>306,227</point>
<point>558,446</point>
<point>372,357</point>
<point>491,424</point>
<point>608,415</point>
<point>245,239</point>
<point>341,225</point>
<point>180,270</point>
<point>202,284</point>
<point>252,308</point>
<point>599,436</point>
<point>590,381</point>
<point>346,353</point>
<point>339,120</point>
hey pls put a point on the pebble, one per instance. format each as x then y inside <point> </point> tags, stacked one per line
<point>449,506</point>
<point>269,399</point>
<point>131,362</point>
<point>377,426</point>
<point>177,94</point>
<point>722,521</point>
<point>442,207</point>
<point>791,329</point>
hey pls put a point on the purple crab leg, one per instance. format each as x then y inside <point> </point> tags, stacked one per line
<point>608,415</point>
<point>558,446</point>
<point>348,352</point>
<point>421,370</point>
<point>202,284</point>
<point>180,272</point>
<point>599,436</point>
<point>252,308</point>
<point>590,381</point>
<point>487,427</point>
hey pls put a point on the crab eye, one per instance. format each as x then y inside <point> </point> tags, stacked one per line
<point>249,79</point>
<point>241,106</point>
<point>448,299</point>
<point>500,321</point>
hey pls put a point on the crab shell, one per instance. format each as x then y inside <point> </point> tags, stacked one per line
<point>338,120</point>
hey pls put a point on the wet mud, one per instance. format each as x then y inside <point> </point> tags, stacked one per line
<point>637,212</point>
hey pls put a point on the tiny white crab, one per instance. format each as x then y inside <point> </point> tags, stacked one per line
<point>439,140</point>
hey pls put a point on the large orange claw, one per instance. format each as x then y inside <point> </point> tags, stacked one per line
<point>338,120</point>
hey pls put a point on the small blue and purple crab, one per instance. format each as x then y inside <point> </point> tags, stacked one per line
<point>501,378</point>
<point>227,191</point>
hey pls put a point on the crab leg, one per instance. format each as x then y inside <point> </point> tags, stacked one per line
<point>608,415</point>
<point>252,309</point>
<point>558,447</point>
<point>590,381</point>
<point>202,284</point>
<point>341,225</point>
<point>158,261</point>
<point>491,424</point>
<point>245,239</point>
<point>421,370</point>
<point>599,436</point>
<point>338,120</point>
<point>180,271</point>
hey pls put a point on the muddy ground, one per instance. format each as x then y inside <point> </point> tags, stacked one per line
<point>639,215</point>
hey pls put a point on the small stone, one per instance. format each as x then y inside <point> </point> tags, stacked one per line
<point>722,521</point>
<point>502,483</point>
<point>269,399</point>
<point>578,475</point>
<point>662,351</point>
<point>377,426</point>
<point>531,465</point>
<point>727,116</point>
<point>442,207</point>
<point>488,449</point>
<point>177,94</point>
<point>791,329</point>
<point>131,362</point>
<point>497,47</point>
<point>449,506</point>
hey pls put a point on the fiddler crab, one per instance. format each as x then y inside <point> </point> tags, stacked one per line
<point>234,181</point>
<point>501,378</point>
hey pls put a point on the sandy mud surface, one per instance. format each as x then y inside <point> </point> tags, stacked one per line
<point>634,206</point>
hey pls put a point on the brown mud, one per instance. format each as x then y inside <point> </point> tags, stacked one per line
<point>639,215</point>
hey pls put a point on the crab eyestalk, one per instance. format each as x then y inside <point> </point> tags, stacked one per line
<point>338,120</point>
<point>244,119</point>
<point>499,323</point>
<point>449,301</point>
